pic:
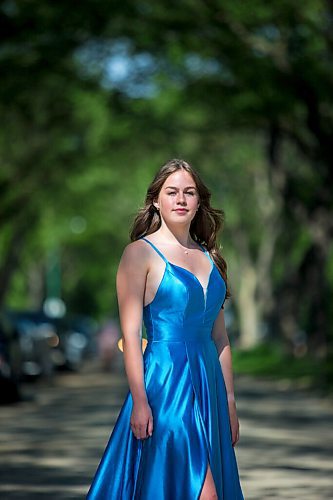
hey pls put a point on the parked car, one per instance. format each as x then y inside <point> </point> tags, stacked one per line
<point>88,327</point>
<point>37,338</point>
<point>48,343</point>
<point>10,363</point>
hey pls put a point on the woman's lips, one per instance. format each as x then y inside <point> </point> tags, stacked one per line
<point>181,210</point>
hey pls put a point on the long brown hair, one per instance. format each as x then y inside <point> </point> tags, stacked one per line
<point>204,227</point>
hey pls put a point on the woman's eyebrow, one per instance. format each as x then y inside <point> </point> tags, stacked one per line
<point>173,187</point>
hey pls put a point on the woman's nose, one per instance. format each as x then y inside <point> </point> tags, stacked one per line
<point>181,197</point>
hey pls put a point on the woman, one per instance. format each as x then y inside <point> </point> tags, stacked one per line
<point>175,435</point>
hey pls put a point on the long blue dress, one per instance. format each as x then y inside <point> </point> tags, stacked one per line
<point>187,395</point>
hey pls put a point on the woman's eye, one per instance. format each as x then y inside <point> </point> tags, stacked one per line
<point>191,193</point>
<point>172,193</point>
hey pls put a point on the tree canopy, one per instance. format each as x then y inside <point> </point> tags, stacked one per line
<point>94,99</point>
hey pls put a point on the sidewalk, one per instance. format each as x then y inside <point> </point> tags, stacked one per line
<point>286,444</point>
<point>50,447</point>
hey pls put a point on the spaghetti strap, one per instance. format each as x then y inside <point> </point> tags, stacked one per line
<point>202,247</point>
<point>207,253</point>
<point>155,248</point>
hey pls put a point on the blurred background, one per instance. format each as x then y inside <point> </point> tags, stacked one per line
<point>94,97</point>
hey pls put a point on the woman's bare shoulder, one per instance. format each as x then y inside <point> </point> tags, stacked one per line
<point>134,253</point>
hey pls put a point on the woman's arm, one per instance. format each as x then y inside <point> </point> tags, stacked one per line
<point>222,343</point>
<point>131,282</point>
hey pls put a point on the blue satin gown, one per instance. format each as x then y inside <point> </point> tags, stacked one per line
<point>187,395</point>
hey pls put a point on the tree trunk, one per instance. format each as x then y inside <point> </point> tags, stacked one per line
<point>248,314</point>
<point>11,256</point>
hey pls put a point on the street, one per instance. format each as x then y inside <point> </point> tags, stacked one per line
<point>50,445</point>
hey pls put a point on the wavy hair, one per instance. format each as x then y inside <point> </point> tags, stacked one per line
<point>205,225</point>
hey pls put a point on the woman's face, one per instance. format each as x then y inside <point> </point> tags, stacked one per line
<point>178,199</point>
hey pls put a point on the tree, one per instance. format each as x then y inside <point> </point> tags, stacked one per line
<point>203,79</point>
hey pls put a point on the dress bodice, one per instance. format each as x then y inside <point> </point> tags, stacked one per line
<point>182,308</point>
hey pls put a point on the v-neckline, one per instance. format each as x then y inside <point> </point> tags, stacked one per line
<point>204,289</point>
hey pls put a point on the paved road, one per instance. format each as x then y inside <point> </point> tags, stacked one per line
<point>51,446</point>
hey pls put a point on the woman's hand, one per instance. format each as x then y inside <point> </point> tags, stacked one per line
<point>142,420</point>
<point>234,423</point>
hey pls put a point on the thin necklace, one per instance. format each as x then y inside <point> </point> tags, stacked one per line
<point>185,250</point>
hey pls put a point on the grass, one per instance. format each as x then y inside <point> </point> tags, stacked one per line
<point>269,360</point>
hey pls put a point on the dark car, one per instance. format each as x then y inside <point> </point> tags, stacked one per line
<point>49,342</point>
<point>37,338</point>
<point>10,363</point>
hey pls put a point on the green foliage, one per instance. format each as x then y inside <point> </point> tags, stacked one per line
<point>242,91</point>
<point>271,361</point>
